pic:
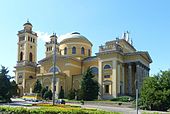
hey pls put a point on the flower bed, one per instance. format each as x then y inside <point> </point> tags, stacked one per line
<point>52,110</point>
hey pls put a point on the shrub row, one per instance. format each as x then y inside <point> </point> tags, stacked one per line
<point>51,110</point>
<point>123,99</point>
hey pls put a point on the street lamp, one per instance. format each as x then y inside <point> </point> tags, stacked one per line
<point>54,72</point>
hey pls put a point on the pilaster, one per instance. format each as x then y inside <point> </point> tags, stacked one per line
<point>114,79</point>
<point>57,87</point>
<point>100,79</point>
<point>129,78</point>
<point>118,76</point>
<point>123,80</point>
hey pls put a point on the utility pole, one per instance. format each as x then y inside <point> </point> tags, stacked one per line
<point>54,68</point>
<point>137,96</point>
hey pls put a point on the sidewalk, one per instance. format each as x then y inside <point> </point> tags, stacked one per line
<point>117,109</point>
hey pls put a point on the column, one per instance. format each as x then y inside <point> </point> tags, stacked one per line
<point>123,80</point>
<point>140,76</point>
<point>129,78</point>
<point>143,74</point>
<point>137,74</point>
<point>114,78</point>
<point>118,81</point>
<point>23,82</point>
<point>100,78</point>
<point>25,51</point>
<point>57,87</point>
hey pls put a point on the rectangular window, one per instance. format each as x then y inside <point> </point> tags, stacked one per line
<point>106,88</point>
<point>107,76</point>
<point>22,38</point>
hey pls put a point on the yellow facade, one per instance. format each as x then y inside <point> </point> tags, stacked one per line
<point>117,65</point>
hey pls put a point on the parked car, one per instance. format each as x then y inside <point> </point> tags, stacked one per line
<point>60,101</point>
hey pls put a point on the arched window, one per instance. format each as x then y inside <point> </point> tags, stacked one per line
<point>82,50</point>
<point>65,51</point>
<point>30,57</point>
<point>106,88</point>
<point>107,66</point>
<point>94,70</point>
<point>21,56</point>
<point>30,77</point>
<point>74,50</point>
<point>52,69</point>
<point>28,38</point>
<point>89,52</point>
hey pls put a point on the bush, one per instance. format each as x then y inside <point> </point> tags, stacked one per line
<point>123,99</point>
<point>71,94</point>
<point>79,94</point>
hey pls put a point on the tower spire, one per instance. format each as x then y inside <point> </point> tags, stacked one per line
<point>128,38</point>
<point>27,20</point>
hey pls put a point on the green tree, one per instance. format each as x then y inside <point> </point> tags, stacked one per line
<point>61,93</point>
<point>71,94</point>
<point>37,87</point>
<point>48,95</point>
<point>14,88</point>
<point>5,85</point>
<point>89,86</point>
<point>43,91</point>
<point>155,92</point>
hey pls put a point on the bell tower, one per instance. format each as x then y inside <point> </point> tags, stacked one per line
<point>50,46</point>
<point>27,44</point>
<point>27,57</point>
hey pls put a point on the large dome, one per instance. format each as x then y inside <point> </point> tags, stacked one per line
<point>74,37</point>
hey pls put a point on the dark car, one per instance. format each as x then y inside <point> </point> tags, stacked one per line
<point>60,101</point>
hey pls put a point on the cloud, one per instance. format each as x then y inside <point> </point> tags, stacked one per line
<point>44,36</point>
<point>62,37</point>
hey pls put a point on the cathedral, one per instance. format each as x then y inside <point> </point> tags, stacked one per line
<point>117,65</point>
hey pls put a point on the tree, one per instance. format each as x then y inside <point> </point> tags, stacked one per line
<point>155,92</point>
<point>5,85</point>
<point>71,94</point>
<point>43,91</point>
<point>14,88</point>
<point>48,95</point>
<point>89,86</point>
<point>61,93</point>
<point>37,87</point>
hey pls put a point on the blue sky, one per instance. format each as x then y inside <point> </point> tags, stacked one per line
<point>99,20</point>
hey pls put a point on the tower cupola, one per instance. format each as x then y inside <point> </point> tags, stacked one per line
<point>27,26</point>
<point>50,45</point>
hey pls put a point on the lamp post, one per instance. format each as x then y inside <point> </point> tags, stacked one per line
<point>54,72</point>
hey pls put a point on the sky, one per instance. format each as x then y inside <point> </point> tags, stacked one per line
<point>148,22</point>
